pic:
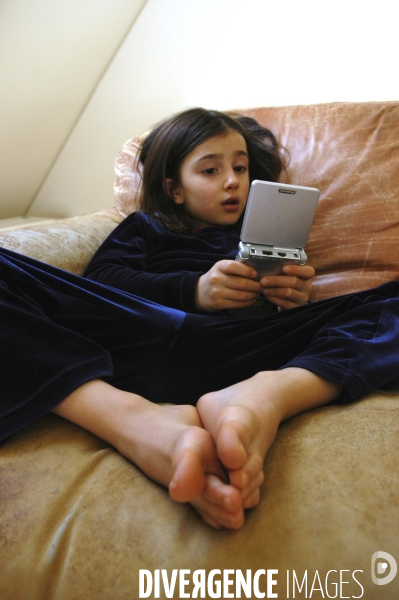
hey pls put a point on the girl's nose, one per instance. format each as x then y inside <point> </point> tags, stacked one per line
<point>231,180</point>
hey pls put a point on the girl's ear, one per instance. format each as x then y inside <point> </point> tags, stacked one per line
<point>173,191</point>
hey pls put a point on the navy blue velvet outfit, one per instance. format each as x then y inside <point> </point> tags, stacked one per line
<point>59,331</point>
<point>143,257</point>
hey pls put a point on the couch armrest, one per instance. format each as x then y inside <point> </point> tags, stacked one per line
<point>65,243</point>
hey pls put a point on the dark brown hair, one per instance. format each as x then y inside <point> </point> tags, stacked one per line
<point>172,140</point>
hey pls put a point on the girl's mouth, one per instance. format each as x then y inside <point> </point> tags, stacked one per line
<point>231,204</point>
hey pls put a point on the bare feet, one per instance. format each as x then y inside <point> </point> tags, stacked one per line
<point>189,450</point>
<point>173,449</point>
<point>168,443</point>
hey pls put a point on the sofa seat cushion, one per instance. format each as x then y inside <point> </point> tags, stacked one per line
<point>79,521</point>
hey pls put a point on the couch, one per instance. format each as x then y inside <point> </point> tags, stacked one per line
<point>78,521</point>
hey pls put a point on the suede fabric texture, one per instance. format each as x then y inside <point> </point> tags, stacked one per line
<point>78,521</point>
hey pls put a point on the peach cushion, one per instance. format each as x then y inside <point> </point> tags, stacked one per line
<point>350,151</point>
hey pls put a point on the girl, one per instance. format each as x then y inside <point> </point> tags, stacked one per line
<point>103,358</point>
<point>179,250</point>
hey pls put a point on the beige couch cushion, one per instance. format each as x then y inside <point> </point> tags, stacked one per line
<point>66,243</point>
<point>79,521</point>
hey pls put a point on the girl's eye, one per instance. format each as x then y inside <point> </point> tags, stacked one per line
<point>210,171</point>
<point>240,168</point>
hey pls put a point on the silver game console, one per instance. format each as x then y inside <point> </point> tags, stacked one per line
<point>276,226</point>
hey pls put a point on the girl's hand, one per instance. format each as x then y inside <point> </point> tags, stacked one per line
<point>291,289</point>
<point>229,284</point>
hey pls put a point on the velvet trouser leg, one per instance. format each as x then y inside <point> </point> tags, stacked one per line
<point>59,331</point>
<point>352,340</point>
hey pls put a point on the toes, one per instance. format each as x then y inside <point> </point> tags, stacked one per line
<point>252,500</point>
<point>220,505</point>
<point>230,445</point>
<point>251,494</point>
<point>196,468</point>
<point>253,485</point>
<point>209,521</point>
<point>188,479</point>
<point>242,478</point>
<point>217,517</point>
<point>218,493</point>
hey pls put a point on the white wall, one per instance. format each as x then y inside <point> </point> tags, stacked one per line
<point>52,55</point>
<point>220,54</point>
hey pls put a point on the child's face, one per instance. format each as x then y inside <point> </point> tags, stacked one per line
<point>214,180</point>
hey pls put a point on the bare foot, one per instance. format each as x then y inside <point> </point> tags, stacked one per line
<point>168,443</point>
<point>243,424</point>
<point>243,419</point>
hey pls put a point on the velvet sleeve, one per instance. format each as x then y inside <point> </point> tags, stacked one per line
<point>134,258</point>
